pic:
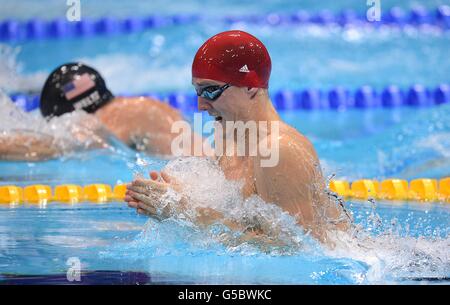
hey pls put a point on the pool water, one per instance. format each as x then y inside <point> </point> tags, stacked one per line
<point>37,241</point>
<point>411,239</point>
<point>397,242</point>
<point>27,9</point>
<point>159,60</point>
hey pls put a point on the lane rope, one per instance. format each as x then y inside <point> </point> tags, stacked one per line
<point>422,190</point>
<point>15,30</point>
<point>338,98</point>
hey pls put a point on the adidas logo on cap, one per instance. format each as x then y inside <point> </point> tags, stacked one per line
<point>244,69</point>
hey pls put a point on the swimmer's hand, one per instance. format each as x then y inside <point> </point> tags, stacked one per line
<point>145,195</point>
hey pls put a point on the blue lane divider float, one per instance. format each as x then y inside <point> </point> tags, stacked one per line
<point>13,30</point>
<point>338,98</point>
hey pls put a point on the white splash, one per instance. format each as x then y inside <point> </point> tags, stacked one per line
<point>12,78</point>
<point>205,186</point>
<point>143,72</point>
<point>392,257</point>
<point>389,256</point>
<point>70,132</point>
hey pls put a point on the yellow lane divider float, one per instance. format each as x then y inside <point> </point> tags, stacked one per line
<point>424,190</point>
<point>67,193</point>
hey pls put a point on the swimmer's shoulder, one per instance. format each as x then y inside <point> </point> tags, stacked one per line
<point>137,101</point>
<point>291,137</point>
<point>141,104</point>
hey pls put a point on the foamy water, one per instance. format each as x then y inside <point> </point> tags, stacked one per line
<point>12,78</point>
<point>205,185</point>
<point>216,252</point>
<point>70,133</point>
<point>387,256</point>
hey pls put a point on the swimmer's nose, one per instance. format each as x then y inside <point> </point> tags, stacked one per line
<point>203,104</point>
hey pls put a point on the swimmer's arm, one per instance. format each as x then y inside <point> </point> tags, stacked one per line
<point>143,123</point>
<point>250,233</point>
<point>27,146</point>
<point>145,197</point>
<point>147,125</point>
<point>205,217</point>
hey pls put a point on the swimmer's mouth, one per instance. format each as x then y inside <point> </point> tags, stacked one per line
<point>216,115</point>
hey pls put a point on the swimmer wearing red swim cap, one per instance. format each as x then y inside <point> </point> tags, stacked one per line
<point>235,60</point>
<point>231,73</point>
<point>233,57</point>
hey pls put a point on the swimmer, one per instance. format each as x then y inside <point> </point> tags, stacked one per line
<point>140,122</point>
<point>230,73</point>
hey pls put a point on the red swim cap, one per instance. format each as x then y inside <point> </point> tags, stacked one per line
<point>233,57</point>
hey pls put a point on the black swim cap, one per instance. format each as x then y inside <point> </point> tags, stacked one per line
<point>73,86</point>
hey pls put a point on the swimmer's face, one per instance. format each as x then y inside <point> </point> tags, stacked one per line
<point>229,106</point>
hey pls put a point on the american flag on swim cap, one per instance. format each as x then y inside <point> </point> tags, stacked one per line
<point>78,86</point>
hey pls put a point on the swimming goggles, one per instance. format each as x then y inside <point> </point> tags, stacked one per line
<point>212,93</point>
